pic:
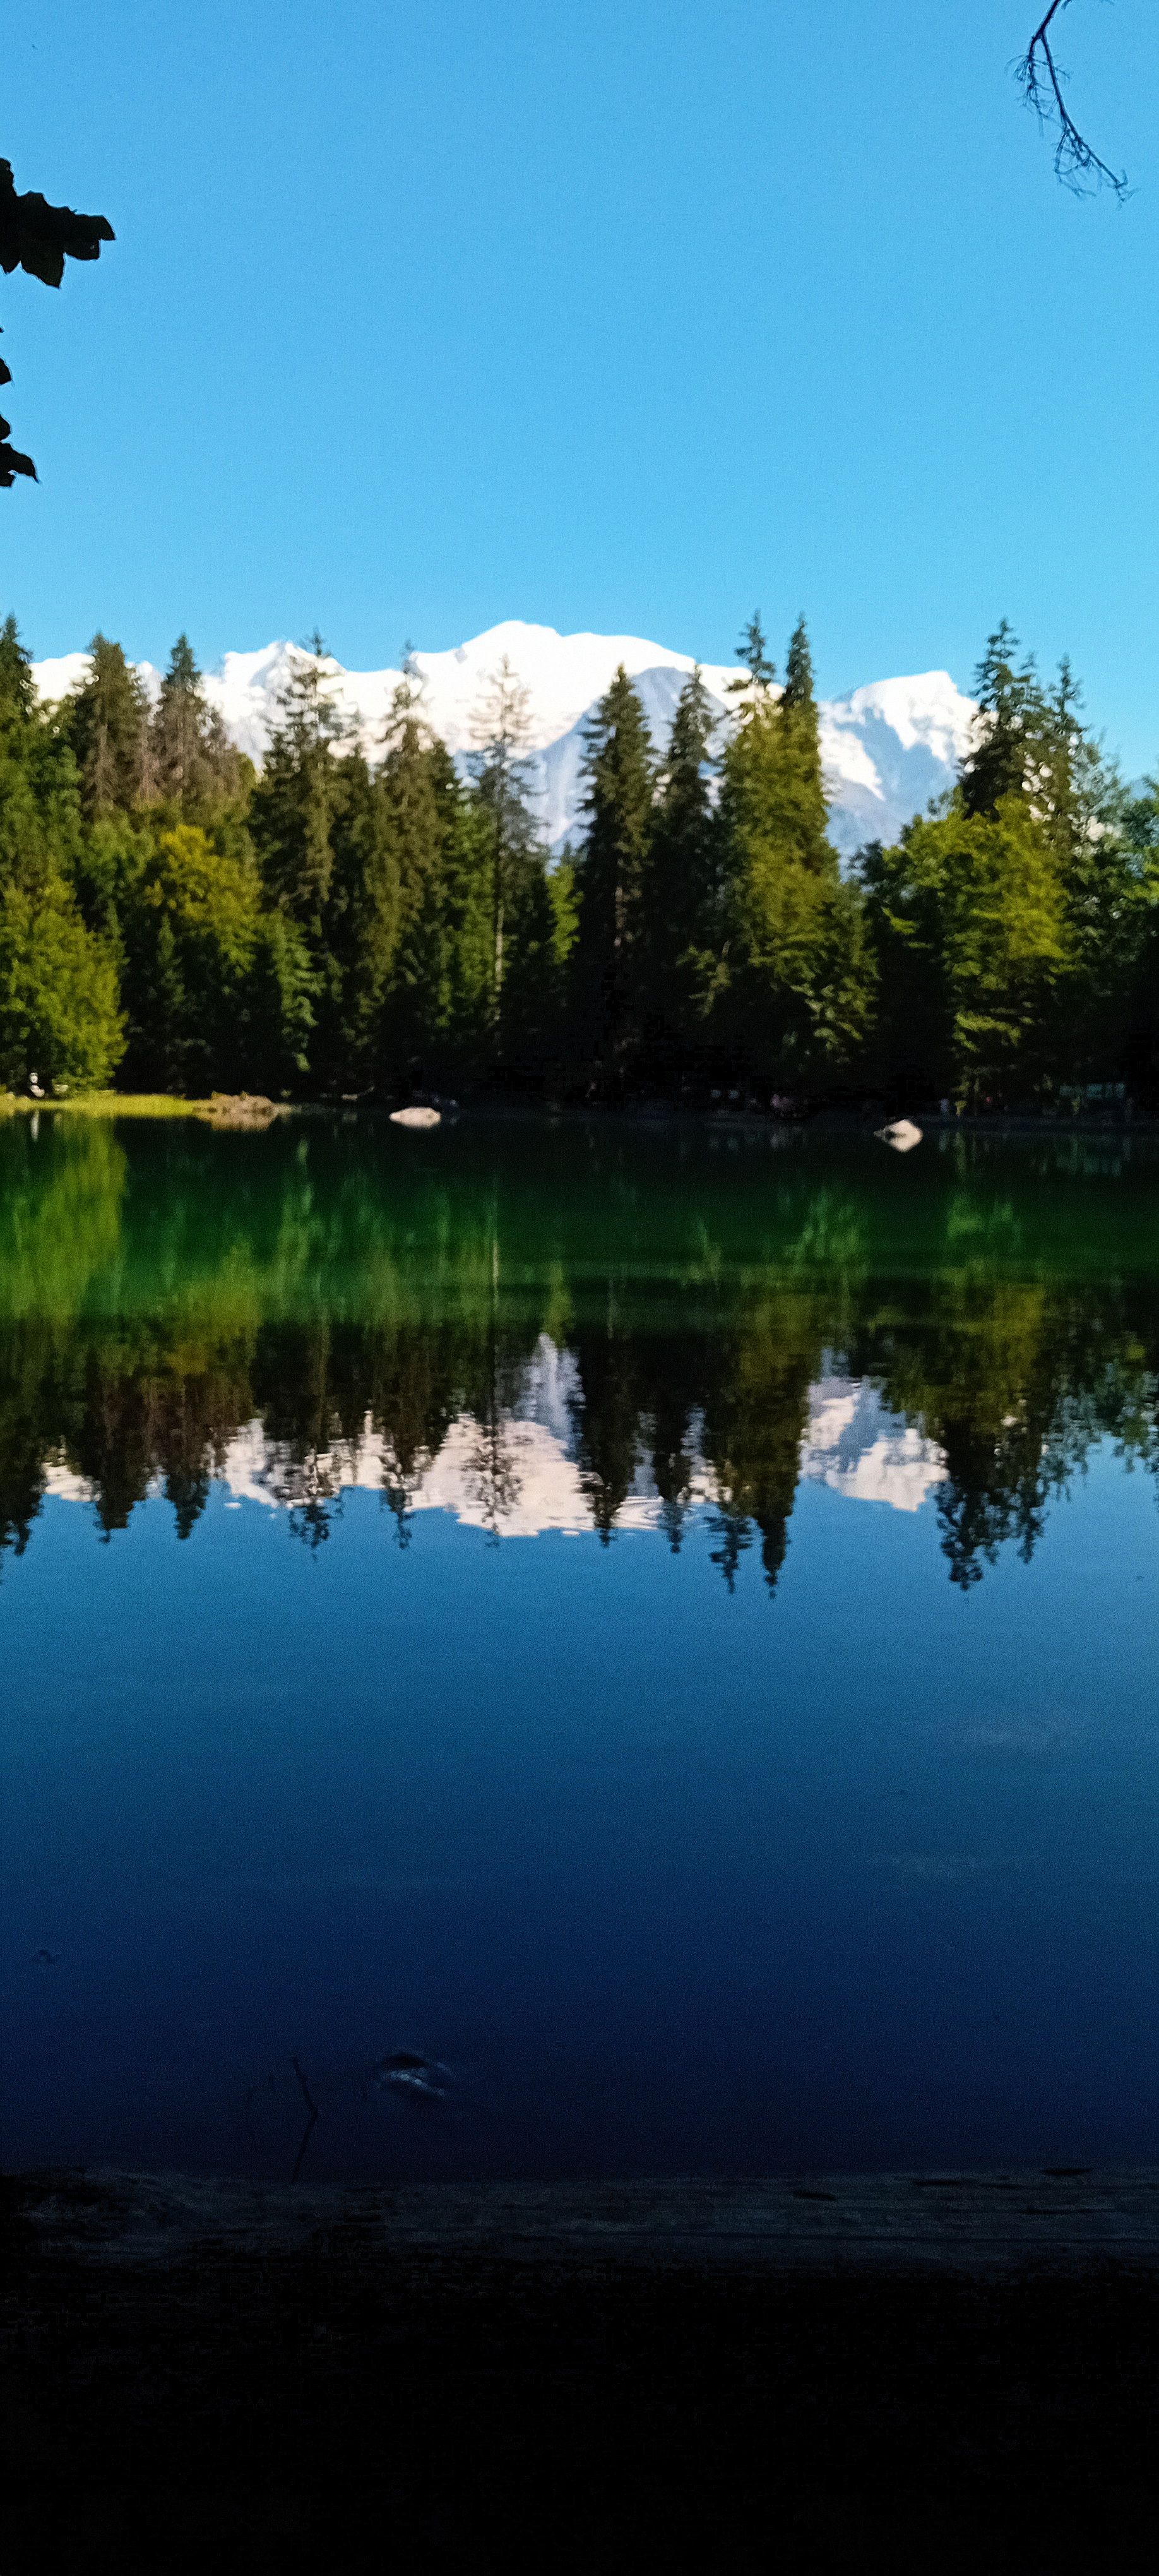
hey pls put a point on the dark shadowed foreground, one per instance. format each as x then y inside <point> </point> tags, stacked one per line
<point>902,2373</point>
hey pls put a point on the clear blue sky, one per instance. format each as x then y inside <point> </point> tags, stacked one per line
<point>610,316</point>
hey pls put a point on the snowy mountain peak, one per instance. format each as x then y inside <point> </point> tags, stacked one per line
<point>888,747</point>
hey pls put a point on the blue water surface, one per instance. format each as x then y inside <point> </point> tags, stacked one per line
<point>853,1867</point>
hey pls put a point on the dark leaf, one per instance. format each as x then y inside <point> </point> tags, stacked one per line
<point>39,238</point>
<point>13,463</point>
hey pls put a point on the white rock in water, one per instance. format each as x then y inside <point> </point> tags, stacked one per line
<point>415,1117</point>
<point>903,1135</point>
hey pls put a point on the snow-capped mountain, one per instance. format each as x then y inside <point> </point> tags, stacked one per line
<point>888,748</point>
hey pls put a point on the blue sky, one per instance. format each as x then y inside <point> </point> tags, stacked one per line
<point>615,317</point>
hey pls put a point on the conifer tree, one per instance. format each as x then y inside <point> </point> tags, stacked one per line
<point>685,934</point>
<point>192,763</point>
<point>106,724</point>
<point>1079,798</point>
<point>292,813</point>
<point>59,1010</point>
<point>1009,739</point>
<point>752,652</point>
<point>421,800</point>
<point>361,930</point>
<point>609,951</point>
<point>502,772</point>
<point>793,924</point>
<point>40,816</point>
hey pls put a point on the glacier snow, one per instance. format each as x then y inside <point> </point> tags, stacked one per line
<point>888,748</point>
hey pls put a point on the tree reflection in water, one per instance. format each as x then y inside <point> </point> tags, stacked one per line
<point>445,1316</point>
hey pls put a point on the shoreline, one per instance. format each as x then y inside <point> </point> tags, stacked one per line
<point>219,2375</point>
<point>1060,2221</point>
<point>254,1113</point>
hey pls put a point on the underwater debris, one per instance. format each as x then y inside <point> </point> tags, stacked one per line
<point>46,1958</point>
<point>419,2079</point>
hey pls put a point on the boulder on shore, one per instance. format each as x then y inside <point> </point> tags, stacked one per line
<point>415,1117</point>
<point>902,1135</point>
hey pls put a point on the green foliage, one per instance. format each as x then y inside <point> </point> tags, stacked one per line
<point>358,920</point>
<point>800,981</point>
<point>686,959</point>
<point>218,989</point>
<point>60,1024</point>
<point>970,919</point>
<point>292,813</point>
<point>1008,748</point>
<point>422,809</point>
<point>106,726</point>
<point>610,946</point>
<point>193,767</point>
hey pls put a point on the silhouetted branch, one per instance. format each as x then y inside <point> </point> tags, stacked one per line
<point>39,238</point>
<point>1076,162</point>
<point>311,2120</point>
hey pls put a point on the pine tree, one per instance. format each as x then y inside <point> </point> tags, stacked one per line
<point>752,651</point>
<point>1081,802</point>
<point>192,763</point>
<point>40,817</point>
<point>421,801</point>
<point>502,773</point>
<point>792,924</point>
<point>685,934</point>
<point>620,774</point>
<point>362,917</point>
<point>106,723</point>
<point>59,1013</point>
<point>1010,729</point>
<point>292,813</point>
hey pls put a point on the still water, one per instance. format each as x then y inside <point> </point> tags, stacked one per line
<point>576,1650</point>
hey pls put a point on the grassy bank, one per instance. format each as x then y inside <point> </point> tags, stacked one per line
<point>221,1107</point>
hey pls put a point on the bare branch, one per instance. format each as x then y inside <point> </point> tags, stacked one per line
<point>1076,162</point>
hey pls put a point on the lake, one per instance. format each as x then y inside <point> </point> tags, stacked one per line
<point>560,1649</point>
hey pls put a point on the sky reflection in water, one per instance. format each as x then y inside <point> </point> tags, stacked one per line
<point>659,1630</point>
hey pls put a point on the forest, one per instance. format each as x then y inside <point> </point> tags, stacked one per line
<point>344,926</point>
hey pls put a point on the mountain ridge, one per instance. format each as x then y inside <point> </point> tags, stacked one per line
<point>888,746</point>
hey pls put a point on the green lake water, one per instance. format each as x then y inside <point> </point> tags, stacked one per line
<point>576,1650</point>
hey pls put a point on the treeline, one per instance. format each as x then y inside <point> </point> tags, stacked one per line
<point>346,926</point>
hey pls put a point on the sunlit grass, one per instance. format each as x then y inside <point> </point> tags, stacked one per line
<point>112,1104</point>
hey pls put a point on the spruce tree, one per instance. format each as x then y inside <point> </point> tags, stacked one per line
<point>609,952</point>
<point>361,930</point>
<point>59,1009</point>
<point>792,924</point>
<point>40,816</point>
<point>502,774</point>
<point>684,931</point>
<point>106,723</point>
<point>752,652</point>
<point>192,763</point>
<point>1080,800</point>
<point>1010,728</point>
<point>421,802</point>
<point>292,813</point>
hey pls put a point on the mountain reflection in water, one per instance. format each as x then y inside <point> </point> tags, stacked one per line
<point>569,1328</point>
<point>656,1757</point>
